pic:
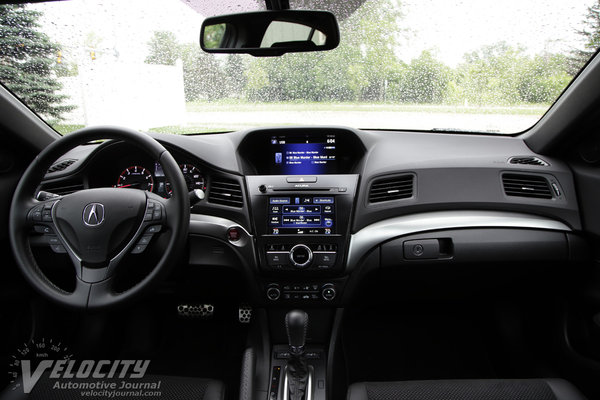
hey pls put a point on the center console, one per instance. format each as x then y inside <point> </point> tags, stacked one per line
<point>302,222</point>
<point>302,193</point>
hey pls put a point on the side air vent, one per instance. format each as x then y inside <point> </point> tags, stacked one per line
<point>528,161</point>
<point>63,188</point>
<point>526,186</point>
<point>391,188</point>
<point>61,165</point>
<point>226,192</point>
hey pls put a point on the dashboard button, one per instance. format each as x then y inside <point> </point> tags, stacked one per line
<point>277,258</point>
<point>325,259</point>
<point>301,179</point>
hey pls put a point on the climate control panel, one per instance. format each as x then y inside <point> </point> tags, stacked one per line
<point>300,256</point>
<point>301,292</point>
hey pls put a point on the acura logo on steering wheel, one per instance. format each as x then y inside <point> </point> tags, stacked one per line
<point>93,214</point>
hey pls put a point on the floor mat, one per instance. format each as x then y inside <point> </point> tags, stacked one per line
<point>420,342</point>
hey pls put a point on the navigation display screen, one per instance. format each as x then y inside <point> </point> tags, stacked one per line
<point>303,155</point>
<point>299,215</point>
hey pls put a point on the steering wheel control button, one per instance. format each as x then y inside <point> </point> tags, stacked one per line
<point>145,239</point>
<point>43,229</point>
<point>301,256</point>
<point>46,215</point>
<point>58,248</point>
<point>138,248</point>
<point>153,229</point>
<point>425,249</point>
<point>52,240</point>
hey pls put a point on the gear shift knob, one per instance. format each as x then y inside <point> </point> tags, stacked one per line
<point>296,324</point>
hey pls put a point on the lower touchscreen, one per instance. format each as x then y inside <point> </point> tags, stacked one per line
<point>300,215</point>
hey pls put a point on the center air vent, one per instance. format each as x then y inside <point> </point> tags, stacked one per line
<point>526,186</point>
<point>226,192</point>
<point>528,160</point>
<point>61,165</point>
<point>391,188</point>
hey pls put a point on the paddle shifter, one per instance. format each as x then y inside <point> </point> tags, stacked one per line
<point>297,370</point>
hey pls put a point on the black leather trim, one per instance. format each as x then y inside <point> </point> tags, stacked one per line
<point>247,375</point>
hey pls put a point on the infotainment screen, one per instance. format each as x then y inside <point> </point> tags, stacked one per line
<point>300,215</point>
<point>303,155</point>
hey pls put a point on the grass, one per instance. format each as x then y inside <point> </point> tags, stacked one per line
<point>185,130</point>
<point>63,129</point>
<point>230,105</point>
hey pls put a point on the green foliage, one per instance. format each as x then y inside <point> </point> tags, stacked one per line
<point>591,39</point>
<point>213,35</point>
<point>366,68</point>
<point>424,80</point>
<point>203,77</point>
<point>28,61</point>
<point>164,49</point>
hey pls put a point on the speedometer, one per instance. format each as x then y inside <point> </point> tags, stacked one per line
<point>136,177</point>
<point>193,177</point>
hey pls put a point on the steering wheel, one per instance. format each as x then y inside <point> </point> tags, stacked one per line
<point>98,227</point>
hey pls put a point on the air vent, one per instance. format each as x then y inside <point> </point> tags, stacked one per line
<point>61,165</point>
<point>528,161</point>
<point>226,192</point>
<point>526,186</point>
<point>391,188</point>
<point>63,188</point>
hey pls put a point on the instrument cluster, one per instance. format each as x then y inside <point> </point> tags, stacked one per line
<point>154,180</point>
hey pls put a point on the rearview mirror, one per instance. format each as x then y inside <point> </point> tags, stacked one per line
<point>270,33</point>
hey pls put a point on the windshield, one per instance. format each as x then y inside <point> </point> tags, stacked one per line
<point>464,65</point>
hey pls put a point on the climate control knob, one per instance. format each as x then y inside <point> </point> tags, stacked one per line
<point>301,256</point>
<point>328,293</point>
<point>273,293</point>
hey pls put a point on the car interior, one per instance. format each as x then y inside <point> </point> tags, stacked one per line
<point>404,264</point>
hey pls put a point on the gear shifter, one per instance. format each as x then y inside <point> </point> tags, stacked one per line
<point>296,324</point>
<point>297,371</point>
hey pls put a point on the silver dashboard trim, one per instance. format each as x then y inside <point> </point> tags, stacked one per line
<point>217,227</point>
<point>372,235</point>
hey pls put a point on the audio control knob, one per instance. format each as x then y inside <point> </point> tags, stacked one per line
<point>301,256</point>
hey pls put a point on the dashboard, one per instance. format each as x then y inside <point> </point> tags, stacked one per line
<point>304,212</point>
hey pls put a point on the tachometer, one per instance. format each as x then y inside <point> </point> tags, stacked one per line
<point>136,177</point>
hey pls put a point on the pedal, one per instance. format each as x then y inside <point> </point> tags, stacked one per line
<point>195,310</point>
<point>245,314</point>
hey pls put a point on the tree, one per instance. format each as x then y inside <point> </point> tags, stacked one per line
<point>425,80</point>
<point>164,49</point>
<point>27,61</point>
<point>591,38</point>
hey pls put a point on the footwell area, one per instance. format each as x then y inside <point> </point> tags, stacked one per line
<point>441,340</point>
<point>198,347</point>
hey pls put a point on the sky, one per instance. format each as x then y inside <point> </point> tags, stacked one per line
<point>449,28</point>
